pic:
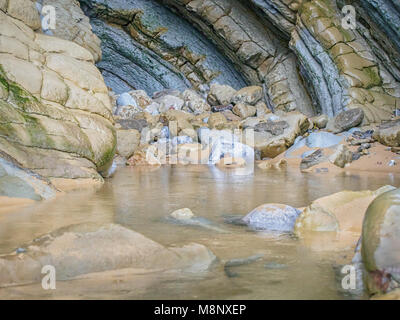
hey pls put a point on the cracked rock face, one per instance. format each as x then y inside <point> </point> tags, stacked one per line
<point>293,56</point>
<point>146,46</point>
<point>296,49</point>
<point>55,112</point>
<point>343,67</point>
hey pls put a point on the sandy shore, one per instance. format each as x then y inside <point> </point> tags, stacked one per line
<point>377,160</point>
<point>8,204</point>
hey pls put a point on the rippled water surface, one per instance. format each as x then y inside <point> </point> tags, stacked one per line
<point>140,199</point>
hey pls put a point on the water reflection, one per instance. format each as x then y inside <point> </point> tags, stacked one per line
<point>141,198</point>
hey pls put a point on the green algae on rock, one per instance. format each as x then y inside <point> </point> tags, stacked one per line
<point>381,243</point>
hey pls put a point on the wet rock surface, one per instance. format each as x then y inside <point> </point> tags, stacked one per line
<point>272,217</point>
<point>380,243</point>
<point>73,252</point>
<point>22,183</point>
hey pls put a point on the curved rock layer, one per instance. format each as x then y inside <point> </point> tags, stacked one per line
<point>146,46</point>
<point>298,49</point>
<point>55,112</point>
<point>342,65</point>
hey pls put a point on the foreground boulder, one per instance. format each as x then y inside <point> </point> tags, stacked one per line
<point>55,112</point>
<point>381,243</point>
<point>341,211</point>
<point>272,217</point>
<point>84,249</point>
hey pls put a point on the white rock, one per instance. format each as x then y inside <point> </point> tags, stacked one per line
<point>182,214</point>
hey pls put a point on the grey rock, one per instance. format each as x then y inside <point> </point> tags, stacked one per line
<point>313,159</point>
<point>347,120</point>
<point>22,183</point>
<point>276,128</point>
<point>272,217</point>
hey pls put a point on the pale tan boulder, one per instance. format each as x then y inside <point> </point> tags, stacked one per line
<point>84,74</point>
<point>220,94</point>
<point>262,109</point>
<point>71,251</point>
<point>248,95</point>
<point>194,102</point>
<point>217,121</point>
<point>244,111</point>
<point>127,142</point>
<point>14,47</point>
<point>58,45</point>
<point>169,102</point>
<point>54,88</point>
<point>3,5</point>
<point>141,98</point>
<point>26,11</point>
<point>23,72</point>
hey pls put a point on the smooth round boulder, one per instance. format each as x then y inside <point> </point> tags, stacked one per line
<point>381,242</point>
<point>272,217</point>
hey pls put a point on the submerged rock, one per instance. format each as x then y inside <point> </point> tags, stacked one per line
<point>239,262</point>
<point>272,217</point>
<point>182,214</point>
<point>85,249</point>
<point>381,243</point>
<point>275,266</point>
<point>186,217</point>
<point>21,183</point>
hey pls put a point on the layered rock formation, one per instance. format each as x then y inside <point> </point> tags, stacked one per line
<point>298,50</point>
<point>342,65</point>
<point>146,46</point>
<point>55,112</point>
<point>255,50</point>
<point>56,116</point>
